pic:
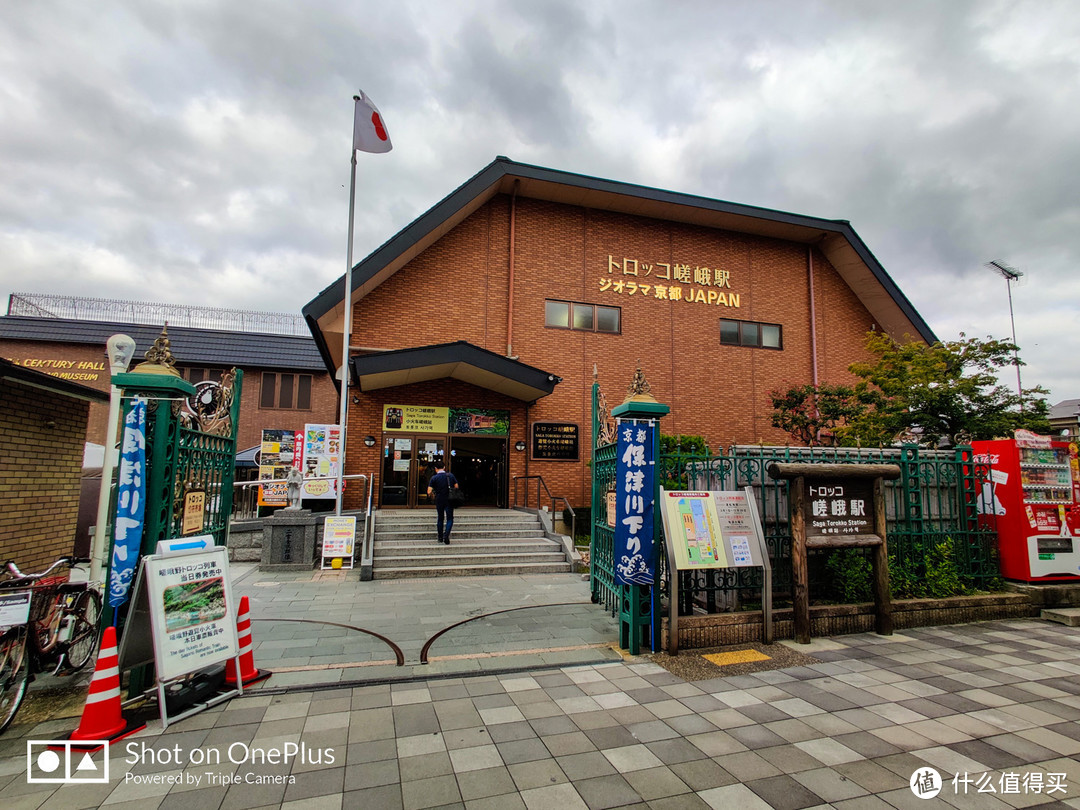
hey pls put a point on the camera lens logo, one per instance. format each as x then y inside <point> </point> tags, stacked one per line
<point>925,783</point>
<point>67,763</point>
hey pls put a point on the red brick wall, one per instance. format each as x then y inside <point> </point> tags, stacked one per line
<point>85,364</point>
<point>458,290</point>
<point>40,467</point>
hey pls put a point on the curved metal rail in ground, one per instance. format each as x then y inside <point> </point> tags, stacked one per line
<point>397,650</point>
<point>434,638</point>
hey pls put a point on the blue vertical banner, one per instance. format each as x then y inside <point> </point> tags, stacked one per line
<point>635,474</point>
<point>130,504</point>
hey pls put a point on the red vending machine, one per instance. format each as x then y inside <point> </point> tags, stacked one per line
<point>1033,499</point>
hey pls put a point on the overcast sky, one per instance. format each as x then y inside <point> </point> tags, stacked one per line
<point>196,151</point>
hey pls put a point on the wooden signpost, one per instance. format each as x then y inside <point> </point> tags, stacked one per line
<point>837,506</point>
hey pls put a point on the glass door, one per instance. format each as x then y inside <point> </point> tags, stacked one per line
<point>397,462</point>
<point>429,456</point>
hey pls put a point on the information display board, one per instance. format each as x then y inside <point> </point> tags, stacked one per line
<point>711,530</point>
<point>276,455</point>
<point>339,540</point>
<point>554,441</point>
<point>320,461</point>
<point>192,614</point>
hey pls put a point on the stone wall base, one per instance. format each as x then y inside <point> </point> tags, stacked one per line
<point>722,629</point>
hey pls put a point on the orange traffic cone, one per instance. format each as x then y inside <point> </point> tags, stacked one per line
<point>248,673</point>
<point>101,718</point>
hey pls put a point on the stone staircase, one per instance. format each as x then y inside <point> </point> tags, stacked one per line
<point>484,542</point>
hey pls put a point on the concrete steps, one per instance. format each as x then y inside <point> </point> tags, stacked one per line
<point>1067,616</point>
<point>483,543</point>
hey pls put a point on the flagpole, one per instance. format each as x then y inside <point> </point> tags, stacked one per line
<point>348,325</point>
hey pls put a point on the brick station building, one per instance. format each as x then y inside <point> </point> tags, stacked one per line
<point>476,329</point>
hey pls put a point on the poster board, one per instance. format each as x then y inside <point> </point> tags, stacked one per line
<point>339,540</point>
<point>713,530</point>
<point>277,454</point>
<point>192,613</point>
<point>321,461</point>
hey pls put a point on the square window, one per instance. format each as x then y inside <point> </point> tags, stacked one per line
<point>608,319</point>
<point>583,317</point>
<point>749,335</point>
<point>557,313</point>
<point>729,332</point>
<point>770,336</point>
<point>267,399</point>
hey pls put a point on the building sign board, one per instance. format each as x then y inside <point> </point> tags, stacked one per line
<point>554,441</point>
<point>431,419</point>
<point>666,281</point>
<point>837,508</point>
<point>194,512</point>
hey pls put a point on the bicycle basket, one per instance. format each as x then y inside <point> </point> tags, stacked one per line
<point>44,597</point>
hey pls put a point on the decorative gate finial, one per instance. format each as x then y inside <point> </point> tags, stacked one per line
<point>639,390</point>
<point>159,359</point>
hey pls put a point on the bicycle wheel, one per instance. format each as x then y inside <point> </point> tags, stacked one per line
<point>14,673</point>
<point>84,630</point>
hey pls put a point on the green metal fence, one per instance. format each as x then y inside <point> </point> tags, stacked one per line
<point>932,503</point>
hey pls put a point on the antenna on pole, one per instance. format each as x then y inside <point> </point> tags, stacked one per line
<point>1010,274</point>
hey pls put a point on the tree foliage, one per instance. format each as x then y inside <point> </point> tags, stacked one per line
<point>816,415</point>
<point>941,393</point>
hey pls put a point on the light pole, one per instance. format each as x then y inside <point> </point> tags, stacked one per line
<point>1010,274</point>
<point>120,349</point>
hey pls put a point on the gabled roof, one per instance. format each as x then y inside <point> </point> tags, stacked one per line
<point>209,347</point>
<point>835,238</point>
<point>459,360</point>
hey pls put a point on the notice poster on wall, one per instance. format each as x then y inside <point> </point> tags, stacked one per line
<point>276,454</point>
<point>322,460</point>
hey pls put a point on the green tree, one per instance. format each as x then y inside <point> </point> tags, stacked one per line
<point>816,414</point>
<point>942,392</point>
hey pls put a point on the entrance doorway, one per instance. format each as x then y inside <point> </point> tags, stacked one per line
<point>479,465</point>
<point>409,461</point>
<point>408,464</point>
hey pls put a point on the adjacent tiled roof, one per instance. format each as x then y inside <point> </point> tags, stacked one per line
<point>38,379</point>
<point>1066,409</point>
<point>198,347</point>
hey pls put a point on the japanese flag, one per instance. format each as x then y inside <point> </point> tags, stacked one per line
<point>369,131</point>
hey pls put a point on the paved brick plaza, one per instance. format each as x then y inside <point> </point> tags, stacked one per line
<point>996,704</point>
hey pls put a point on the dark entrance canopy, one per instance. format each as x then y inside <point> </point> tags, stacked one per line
<point>459,360</point>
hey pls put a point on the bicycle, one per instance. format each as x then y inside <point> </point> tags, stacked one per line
<point>59,633</point>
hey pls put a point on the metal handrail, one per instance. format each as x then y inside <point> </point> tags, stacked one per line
<point>367,544</point>
<point>553,498</point>
<point>242,485</point>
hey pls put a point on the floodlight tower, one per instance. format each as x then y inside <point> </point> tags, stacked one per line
<point>1010,274</point>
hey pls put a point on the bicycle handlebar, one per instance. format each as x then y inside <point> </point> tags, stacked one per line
<point>70,561</point>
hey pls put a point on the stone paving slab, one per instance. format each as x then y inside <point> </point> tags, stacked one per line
<point>623,734</point>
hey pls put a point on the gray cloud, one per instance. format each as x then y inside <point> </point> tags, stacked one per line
<point>199,152</point>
